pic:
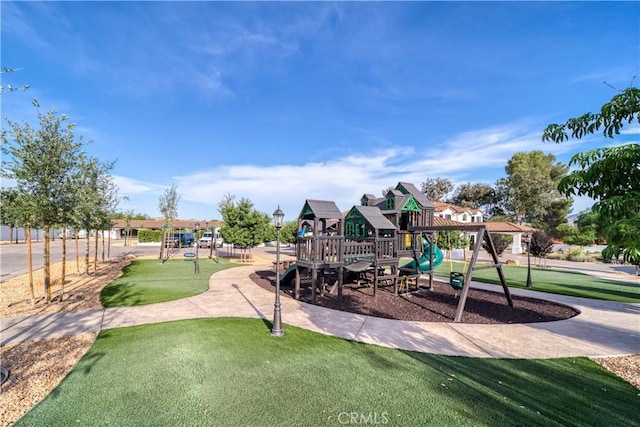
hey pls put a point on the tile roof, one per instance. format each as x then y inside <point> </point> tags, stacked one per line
<point>508,227</point>
<point>158,223</point>
<point>441,206</point>
<point>437,220</point>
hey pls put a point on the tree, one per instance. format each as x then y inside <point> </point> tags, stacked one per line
<point>437,189</point>
<point>9,88</point>
<point>609,175</point>
<point>555,215</point>
<point>452,240</point>
<point>499,243</point>
<point>10,214</point>
<point>592,219</point>
<point>572,235</point>
<point>41,162</point>
<point>474,195</point>
<point>541,244</point>
<point>289,232</point>
<point>128,216</point>
<point>131,214</point>
<point>168,207</point>
<point>243,225</point>
<point>168,204</point>
<point>95,202</point>
<point>531,185</point>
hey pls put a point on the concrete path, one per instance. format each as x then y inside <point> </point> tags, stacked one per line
<point>601,329</point>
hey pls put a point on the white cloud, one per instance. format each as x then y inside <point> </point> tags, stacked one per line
<point>477,156</point>
<point>131,187</point>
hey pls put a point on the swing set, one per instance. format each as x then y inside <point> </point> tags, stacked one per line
<point>456,279</point>
<point>461,281</point>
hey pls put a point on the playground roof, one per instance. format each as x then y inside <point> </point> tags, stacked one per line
<point>417,194</point>
<point>400,201</point>
<point>375,218</point>
<point>321,209</point>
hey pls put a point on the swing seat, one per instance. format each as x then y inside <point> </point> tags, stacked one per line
<point>456,280</point>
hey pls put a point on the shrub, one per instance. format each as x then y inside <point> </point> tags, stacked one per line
<point>499,242</point>
<point>576,255</point>
<point>146,236</point>
<point>541,244</point>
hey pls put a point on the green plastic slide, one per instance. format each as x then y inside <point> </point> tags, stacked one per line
<point>425,262</point>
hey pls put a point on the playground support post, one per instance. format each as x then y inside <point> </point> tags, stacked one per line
<point>276,329</point>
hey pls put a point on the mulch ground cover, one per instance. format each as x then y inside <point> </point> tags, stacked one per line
<point>436,305</point>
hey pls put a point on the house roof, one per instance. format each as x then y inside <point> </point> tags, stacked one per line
<point>441,207</point>
<point>159,223</point>
<point>444,221</point>
<point>508,227</point>
<point>375,218</point>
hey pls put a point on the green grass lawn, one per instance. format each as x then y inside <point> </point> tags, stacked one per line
<point>554,281</point>
<point>232,372</point>
<point>147,281</point>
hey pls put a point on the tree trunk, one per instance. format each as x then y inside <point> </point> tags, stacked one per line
<point>162,245</point>
<point>64,260</point>
<point>109,245</point>
<point>86,253</point>
<point>77,253</point>
<point>95,252</point>
<point>11,234</point>
<point>30,263</point>
<point>102,245</point>
<point>47,263</point>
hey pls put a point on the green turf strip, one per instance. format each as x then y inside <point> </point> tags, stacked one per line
<point>232,372</point>
<point>561,282</point>
<point>147,281</point>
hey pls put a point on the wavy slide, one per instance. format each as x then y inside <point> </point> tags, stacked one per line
<point>424,261</point>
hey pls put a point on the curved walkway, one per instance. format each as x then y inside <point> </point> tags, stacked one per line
<point>602,328</point>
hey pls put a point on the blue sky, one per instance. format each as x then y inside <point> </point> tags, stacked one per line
<point>278,102</point>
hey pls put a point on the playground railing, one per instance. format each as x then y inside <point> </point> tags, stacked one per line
<point>355,248</point>
<point>386,247</point>
<point>320,249</point>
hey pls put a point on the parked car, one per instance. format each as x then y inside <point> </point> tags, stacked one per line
<point>207,238</point>
<point>180,240</point>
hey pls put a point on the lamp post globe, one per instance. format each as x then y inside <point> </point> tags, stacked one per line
<point>276,329</point>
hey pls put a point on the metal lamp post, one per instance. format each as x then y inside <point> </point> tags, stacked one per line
<point>528,240</point>
<point>276,330</point>
<point>197,264</point>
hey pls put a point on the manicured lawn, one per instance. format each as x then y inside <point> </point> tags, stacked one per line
<point>554,281</point>
<point>231,372</point>
<point>146,281</point>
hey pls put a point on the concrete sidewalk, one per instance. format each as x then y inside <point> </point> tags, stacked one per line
<point>602,328</point>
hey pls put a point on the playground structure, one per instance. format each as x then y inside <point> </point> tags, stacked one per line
<point>370,240</point>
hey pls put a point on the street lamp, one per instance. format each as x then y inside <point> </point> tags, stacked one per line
<point>528,240</point>
<point>276,330</point>
<point>195,240</point>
